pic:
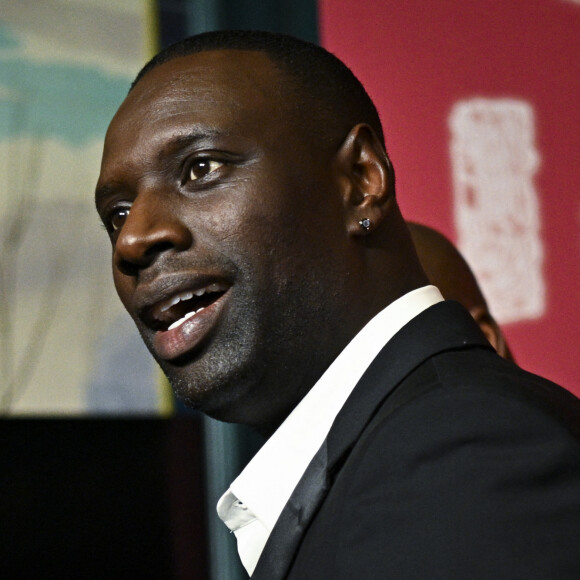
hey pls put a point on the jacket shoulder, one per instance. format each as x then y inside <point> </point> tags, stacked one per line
<point>470,456</point>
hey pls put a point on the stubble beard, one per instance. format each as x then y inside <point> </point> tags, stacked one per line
<point>264,357</point>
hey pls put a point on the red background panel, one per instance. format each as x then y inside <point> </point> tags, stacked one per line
<point>416,60</point>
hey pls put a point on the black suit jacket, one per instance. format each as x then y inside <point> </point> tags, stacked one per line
<point>445,462</point>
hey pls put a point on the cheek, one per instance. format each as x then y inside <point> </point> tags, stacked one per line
<point>243,221</point>
<point>124,288</point>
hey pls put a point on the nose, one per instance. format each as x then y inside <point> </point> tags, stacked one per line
<point>151,229</point>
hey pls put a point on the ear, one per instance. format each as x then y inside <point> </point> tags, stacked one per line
<point>367,179</point>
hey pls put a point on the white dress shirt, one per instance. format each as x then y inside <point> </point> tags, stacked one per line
<point>258,495</point>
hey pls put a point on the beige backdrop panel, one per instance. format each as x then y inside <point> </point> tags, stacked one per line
<point>66,345</point>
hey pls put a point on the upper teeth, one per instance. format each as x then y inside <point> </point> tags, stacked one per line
<point>189,294</point>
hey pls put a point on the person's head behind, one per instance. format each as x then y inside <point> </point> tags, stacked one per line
<point>235,178</point>
<point>447,269</point>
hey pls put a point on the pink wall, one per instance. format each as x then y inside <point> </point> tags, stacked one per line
<point>417,59</point>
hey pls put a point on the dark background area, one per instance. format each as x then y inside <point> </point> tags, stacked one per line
<point>102,498</point>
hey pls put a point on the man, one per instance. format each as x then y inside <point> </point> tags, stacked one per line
<point>447,269</point>
<point>258,246</point>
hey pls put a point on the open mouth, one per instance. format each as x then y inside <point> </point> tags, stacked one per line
<point>174,311</point>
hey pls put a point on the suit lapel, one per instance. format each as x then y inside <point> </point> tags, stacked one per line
<point>444,326</point>
<point>294,519</point>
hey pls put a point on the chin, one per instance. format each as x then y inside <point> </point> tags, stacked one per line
<point>236,401</point>
<point>225,396</point>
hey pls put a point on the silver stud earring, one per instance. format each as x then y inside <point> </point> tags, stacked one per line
<point>365,224</point>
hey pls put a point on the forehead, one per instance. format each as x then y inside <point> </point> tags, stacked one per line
<point>223,87</point>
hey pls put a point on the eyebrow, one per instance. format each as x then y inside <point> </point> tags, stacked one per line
<point>189,139</point>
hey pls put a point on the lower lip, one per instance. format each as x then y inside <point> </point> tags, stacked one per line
<point>177,342</point>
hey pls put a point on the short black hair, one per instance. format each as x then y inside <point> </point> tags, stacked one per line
<point>322,77</point>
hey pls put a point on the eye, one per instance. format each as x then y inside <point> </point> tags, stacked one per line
<point>202,167</point>
<point>118,217</point>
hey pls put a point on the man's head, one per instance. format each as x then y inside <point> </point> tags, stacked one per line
<point>447,269</point>
<point>231,188</point>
